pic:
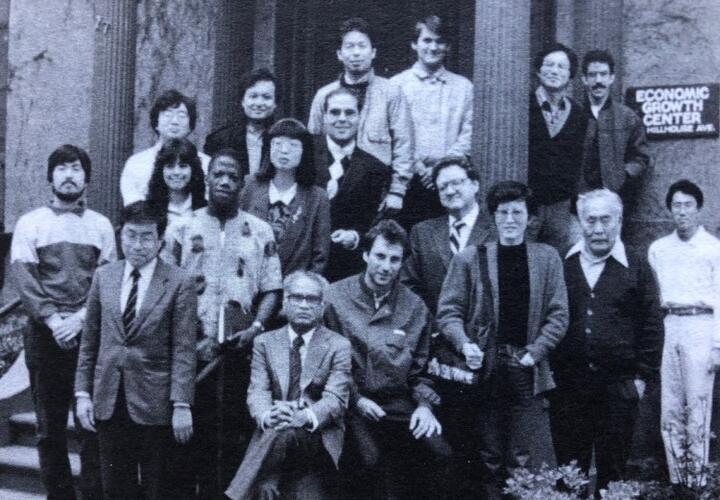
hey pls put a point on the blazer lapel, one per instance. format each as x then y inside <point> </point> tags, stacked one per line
<point>154,293</point>
<point>316,351</point>
<point>442,241</point>
<point>295,227</point>
<point>115,293</point>
<point>479,233</point>
<point>280,356</point>
<point>261,204</point>
<point>492,258</point>
<point>535,274</point>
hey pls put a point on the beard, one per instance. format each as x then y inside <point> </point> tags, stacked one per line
<point>68,197</point>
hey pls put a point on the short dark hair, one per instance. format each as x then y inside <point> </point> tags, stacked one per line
<point>294,129</point>
<point>598,56</point>
<point>67,153</point>
<point>140,212</point>
<point>432,23</point>
<point>557,47</point>
<point>391,231</point>
<point>355,24</point>
<point>172,99</point>
<point>259,75</point>
<point>181,151</point>
<point>230,153</point>
<point>455,161</point>
<point>340,91</point>
<point>686,187</point>
<point>507,191</point>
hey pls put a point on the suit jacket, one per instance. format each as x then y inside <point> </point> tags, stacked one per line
<point>459,314</point>
<point>622,144</point>
<point>305,243</point>
<point>355,206</point>
<point>155,360</point>
<point>233,136</point>
<point>425,268</point>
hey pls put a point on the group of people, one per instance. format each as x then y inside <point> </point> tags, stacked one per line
<point>342,309</point>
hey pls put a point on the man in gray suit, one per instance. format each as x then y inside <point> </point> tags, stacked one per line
<point>136,370</point>
<point>299,390</point>
<point>434,242</point>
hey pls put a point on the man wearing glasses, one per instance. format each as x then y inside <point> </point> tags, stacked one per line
<point>555,146</point>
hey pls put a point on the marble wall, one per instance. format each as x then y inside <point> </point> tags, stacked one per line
<point>674,42</point>
<point>175,49</point>
<point>50,65</point>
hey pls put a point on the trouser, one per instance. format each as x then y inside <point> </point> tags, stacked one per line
<point>383,460</point>
<point>555,225</point>
<point>52,380</point>
<point>514,424</point>
<point>276,461</point>
<point>126,446</point>
<point>686,395</point>
<point>590,411</point>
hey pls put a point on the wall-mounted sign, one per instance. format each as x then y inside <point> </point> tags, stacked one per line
<point>677,111</point>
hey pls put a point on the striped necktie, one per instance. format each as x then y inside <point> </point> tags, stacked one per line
<point>455,236</point>
<point>130,305</point>
<point>295,369</point>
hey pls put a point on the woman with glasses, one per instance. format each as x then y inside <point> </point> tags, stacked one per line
<point>284,194</point>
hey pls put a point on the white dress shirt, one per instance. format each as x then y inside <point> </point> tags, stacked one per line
<point>688,272</point>
<point>464,232</point>
<point>146,273</point>
<point>336,169</point>
<point>593,266</point>
<point>286,196</point>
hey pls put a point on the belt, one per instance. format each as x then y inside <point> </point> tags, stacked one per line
<point>687,311</point>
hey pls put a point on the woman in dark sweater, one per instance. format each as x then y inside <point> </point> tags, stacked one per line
<point>283,194</point>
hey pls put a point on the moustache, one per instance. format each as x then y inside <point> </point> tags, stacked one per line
<point>599,86</point>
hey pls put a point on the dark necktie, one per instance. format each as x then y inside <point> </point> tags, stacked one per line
<point>295,369</point>
<point>455,236</point>
<point>130,305</point>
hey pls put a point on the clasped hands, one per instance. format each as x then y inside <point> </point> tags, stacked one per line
<point>474,357</point>
<point>422,421</point>
<point>66,327</point>
<point>286,414</point>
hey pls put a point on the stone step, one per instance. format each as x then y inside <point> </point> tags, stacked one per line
<point>23,461</point>
<point>22,431</point>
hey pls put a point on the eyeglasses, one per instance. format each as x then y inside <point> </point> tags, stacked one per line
<point>454,183</point>
<point>297,299</point>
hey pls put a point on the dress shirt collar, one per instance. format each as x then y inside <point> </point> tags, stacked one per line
<point>145,271</point>
<point>339,152</point>
<point>439,75</point>
<point>542,97</point>
<point>469,218</point>
<point>286,196</point>
<point>292,334</point>
<point>697,239</point>
<point>618,253</point>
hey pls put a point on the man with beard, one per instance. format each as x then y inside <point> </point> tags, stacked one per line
<point>615,150</point>
<point>233,256</point>
<point>55,251</point>
<point>395,441</point>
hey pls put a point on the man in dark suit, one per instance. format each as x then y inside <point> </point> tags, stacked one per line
<point>299,390</point>
<point>613,344</point>
<point>249,135</point>
<point>434,242</point>
<point>355,181</point>
<point>135,379</point>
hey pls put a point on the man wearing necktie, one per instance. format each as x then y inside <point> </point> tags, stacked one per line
<point>135,378</point>
<point>299,390</point>
<point>55,251</point>
<point>355,181</point>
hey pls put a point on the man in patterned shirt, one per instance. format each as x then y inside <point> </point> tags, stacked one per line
<point>234,258</point>
<point>55,251</point>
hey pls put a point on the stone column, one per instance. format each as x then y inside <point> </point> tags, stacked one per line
<point>501,80</point>
<point>113,89</point>
<point>264,46</point>
<point>234,35</point>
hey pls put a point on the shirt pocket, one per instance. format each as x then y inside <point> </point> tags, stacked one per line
<point>378,137</point>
